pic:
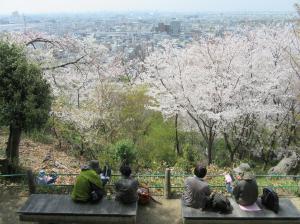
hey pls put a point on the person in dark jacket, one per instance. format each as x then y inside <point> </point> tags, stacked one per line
<point>196,189</point>
<point>88,186</point>
<point>245,189</point>
<point>126,188</point>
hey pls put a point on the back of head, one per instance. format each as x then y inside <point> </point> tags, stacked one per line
<point>125,170</point>
<point>244,170</point>
<point>42,173</point>
<point>94,165</point>
<point>200,171</point>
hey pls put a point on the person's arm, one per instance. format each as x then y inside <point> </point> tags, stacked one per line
<point>117,185</point>
<point>207,191</point>
<point>236,190</point>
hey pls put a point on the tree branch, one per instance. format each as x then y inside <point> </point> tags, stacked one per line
<point>64,65</point>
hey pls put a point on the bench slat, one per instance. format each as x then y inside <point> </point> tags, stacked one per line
<point>45,204</point>
<point>287,211</point>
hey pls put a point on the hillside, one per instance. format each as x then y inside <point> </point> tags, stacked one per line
<point>37,156</point>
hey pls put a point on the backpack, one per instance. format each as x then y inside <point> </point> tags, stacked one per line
<point>219,203</point>
<point>105,174</point>
<point>144,195</point>
<point>96,193</point>
<point>270,199</point>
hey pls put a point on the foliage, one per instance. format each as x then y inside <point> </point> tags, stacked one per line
<point>157,145</point>
<point>125,151</point>
<point>217,79</point>
<point>191,156</point>
<point>25,97</point>
<point>42,136</point>
<point>221,158</point>
<point>219,85</point>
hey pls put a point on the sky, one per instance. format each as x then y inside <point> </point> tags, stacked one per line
<point>75,6</point>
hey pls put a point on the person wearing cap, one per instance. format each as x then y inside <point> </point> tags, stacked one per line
<point>245,189</point>
<point>196,189</point>
<point>44,179</point>
<point>127,187</point>
<point>88,186</point>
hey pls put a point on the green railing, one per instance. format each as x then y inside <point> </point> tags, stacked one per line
<point>284,184</point>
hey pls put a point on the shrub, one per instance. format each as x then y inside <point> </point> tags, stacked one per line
<point>125,151</point>
<point>191,156</point>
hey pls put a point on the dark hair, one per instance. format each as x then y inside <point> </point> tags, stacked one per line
<point>125,170</point>
<point>200,171</point>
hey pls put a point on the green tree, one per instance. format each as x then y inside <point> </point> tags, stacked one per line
<point>158,145</point>
<point>25,98</point>
<point>125,151</point>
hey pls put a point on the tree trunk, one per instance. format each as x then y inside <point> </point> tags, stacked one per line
<point>78,98</point>
<point>176,135</point>
<point>229,148</point>
<point>12,150</point>
<point>210,145</point>
<point>209,152</point>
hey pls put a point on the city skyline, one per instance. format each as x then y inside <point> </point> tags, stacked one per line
<point>78,6</point>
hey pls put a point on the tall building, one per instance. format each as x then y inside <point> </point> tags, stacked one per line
<point>175,28</point>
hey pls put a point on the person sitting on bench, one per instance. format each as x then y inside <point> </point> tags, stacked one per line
<point>196,189</point>
<point>43,179</point>
<point>244,189</point>
<point>88,185</point>
<point>126,188</point>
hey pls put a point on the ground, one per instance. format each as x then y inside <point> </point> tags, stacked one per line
<point>167,213</point>
<point>37,156</point>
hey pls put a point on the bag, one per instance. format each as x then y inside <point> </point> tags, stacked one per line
<point>270,199</point>
<point>106,171</point>
<point>105,174</point>
<point>144,195</point>
<point>219,203</point>
<point>96,193</point>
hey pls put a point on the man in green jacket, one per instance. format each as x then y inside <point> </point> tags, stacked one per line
<point>88,186</point>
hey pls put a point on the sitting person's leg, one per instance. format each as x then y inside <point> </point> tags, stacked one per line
<point>229,188</point>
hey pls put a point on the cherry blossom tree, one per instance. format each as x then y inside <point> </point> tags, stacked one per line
<point>216,80</point>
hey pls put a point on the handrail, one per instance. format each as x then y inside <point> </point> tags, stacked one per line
<point>160,175</point>
<point>158,181</point>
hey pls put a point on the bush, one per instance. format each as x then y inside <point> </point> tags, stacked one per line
<point>191,156</point>
<point>157,144</point>
<point>222,156</point>
<point>125,151</point>
<point>40,136</point>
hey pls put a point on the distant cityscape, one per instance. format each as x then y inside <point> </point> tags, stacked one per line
<point>132,31</point>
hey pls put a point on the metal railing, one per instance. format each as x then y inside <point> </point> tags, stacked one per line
<point>160,184</point>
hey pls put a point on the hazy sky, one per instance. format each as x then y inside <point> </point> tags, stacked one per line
<point>43,6</point>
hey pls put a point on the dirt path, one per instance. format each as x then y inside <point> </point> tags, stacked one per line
<point>167,213</point>
<point>10,203</point>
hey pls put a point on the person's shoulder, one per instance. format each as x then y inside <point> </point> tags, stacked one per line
<point>189,179</point>
<point>118,182</point>
<point>135,180</point>
<point>91,173</point>
<point>192,179</point>
<point>205,183</point>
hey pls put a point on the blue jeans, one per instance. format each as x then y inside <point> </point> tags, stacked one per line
<point>229,188</point>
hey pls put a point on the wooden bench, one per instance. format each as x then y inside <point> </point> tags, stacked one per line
<point>288,213</point>
<point>52,208</point>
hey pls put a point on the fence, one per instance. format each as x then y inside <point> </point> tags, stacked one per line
<point>166,184</point>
